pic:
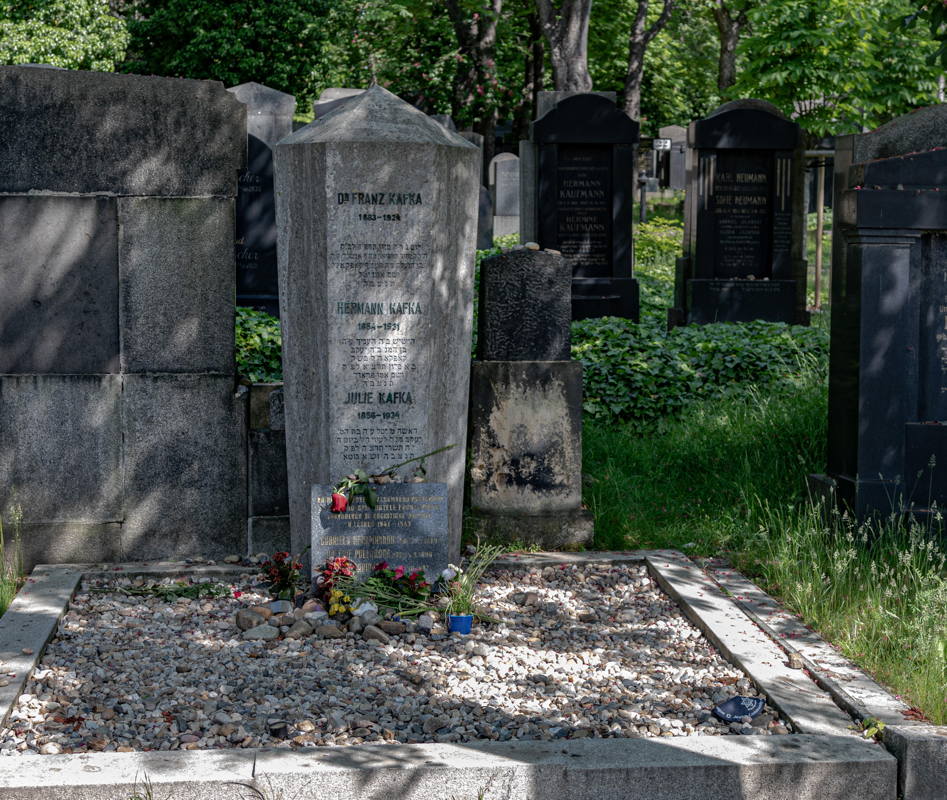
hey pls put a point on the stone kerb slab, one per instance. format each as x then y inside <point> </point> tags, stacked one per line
<point>114,134</point>
<point>376,218</point>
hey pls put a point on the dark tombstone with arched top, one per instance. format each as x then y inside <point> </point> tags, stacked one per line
<point>744,219</point>
<point>586,181</point>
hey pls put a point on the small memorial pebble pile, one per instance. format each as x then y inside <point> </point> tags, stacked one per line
<point>593,651</point>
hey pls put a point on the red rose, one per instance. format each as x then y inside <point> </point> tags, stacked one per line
<point>381,565</point>
<point>339,503</point>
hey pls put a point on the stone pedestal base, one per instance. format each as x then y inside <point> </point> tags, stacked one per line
<point>569,530</point>
<point>717,300</point>
<point>605,297</point>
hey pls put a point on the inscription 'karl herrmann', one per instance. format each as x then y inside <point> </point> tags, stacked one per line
<point>380,198</point>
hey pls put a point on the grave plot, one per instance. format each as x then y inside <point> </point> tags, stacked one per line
<point>579,651</point>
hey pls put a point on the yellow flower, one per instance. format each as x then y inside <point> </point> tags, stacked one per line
<point>347,599</point>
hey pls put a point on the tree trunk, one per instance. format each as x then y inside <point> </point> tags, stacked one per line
<point>567,31</point>
<point>638,41</point>
<point>533,73</point>
<point>729,24</point>
<point>476,38</point>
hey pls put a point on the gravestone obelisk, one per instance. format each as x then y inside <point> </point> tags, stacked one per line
<point>376,210</point>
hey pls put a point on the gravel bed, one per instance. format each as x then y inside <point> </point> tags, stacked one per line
<point>591,651</point>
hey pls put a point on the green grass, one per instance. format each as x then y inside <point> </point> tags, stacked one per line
<point>726,475</point>
<point>11,563</point>
<point>689,480</point>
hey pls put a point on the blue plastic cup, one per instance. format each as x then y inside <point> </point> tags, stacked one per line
<point>459,623</point>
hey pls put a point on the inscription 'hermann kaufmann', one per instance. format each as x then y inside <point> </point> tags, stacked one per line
<point>380,198</point>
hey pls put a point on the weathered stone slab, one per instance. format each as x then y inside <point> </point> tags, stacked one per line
<point>854,690</point>
<point>73,131</point>
<point>376,215</point>
<point>185,479</point>
<point>409,527</point>
<point>59,303</point>
<point>177,274</point>
<point>61,447</point>
<point>525,312</point>
<point>526,436</point>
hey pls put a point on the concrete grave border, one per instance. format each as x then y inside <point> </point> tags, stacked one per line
<point>823,760</point>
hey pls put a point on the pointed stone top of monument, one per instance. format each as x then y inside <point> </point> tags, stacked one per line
<point>260,99</point>
<point>376,115</point>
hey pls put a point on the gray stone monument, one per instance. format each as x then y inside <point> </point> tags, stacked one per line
<point>377,212</point>
<point>505,191</point>
<point>121,431</point>
<point>676,167</point>
<point>525,479</point>
<point>333,98</point>
<point>269,119</point>
<point>269,111</point>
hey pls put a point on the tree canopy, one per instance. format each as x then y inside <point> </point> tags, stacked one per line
<point>836,65</point>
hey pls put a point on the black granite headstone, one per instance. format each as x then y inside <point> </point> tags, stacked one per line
<point>744,219</point>
<point>257,284</point>
<point>524,311</point>
<point>407,528</point>
<point>586,182</point>
<point>484,220</point>
<point>887,446</point>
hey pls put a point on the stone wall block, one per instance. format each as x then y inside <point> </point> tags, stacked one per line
<point>97,132</point>
<point>59,279</point>
<point>176,267</point>
<point>61,447</point>
<point>185,479</point>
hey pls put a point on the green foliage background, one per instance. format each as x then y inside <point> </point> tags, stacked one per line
<point>837,64</point>
<point>73,34</point>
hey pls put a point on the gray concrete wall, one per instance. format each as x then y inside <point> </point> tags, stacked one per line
<point>122,430</point>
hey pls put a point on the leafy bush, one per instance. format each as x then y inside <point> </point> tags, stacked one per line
<point>259,344</point>
<point>641,372</point>
<point>658,241</point>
